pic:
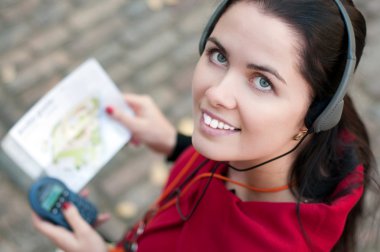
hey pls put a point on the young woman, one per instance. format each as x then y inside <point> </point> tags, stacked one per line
<point>264,172</point>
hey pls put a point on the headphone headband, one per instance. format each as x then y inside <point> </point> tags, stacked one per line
<point>218,12</point>
<point>332,113</point>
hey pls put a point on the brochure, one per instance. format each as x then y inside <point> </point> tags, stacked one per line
<point>67,134</point>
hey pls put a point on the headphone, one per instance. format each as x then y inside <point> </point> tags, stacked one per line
<point>330,116</point>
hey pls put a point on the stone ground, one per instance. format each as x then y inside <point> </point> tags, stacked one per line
<point>146,47</point>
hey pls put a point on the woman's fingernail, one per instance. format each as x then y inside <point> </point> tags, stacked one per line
<point>109,110</point>
<point>66,205</point>
<point>135,142</point>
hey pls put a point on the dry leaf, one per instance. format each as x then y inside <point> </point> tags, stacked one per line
<point>126,209</point>
<point>155,5</point>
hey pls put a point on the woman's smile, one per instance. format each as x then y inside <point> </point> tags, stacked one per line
<point>215,126</point>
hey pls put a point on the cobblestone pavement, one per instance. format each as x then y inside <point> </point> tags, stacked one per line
<point>144,51</point>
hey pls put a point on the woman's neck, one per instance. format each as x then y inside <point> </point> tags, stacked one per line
<point>274,174</point>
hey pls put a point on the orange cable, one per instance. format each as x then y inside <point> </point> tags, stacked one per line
<point>218,176</point>
<point>252,188</point>
<point>169,188</point>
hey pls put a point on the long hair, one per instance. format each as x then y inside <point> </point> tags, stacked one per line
<point>321,164</point>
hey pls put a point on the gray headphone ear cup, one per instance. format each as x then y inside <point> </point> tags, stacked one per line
<point>315,109</point>
<point>329,118</point>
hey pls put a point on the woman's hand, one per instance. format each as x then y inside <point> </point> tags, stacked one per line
<point>149,126</point>
<point>83,238</point>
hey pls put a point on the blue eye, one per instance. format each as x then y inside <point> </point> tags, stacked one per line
<point>262,83</point>
<point>218,58</point>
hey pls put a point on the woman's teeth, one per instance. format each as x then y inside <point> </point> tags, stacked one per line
<point>215,124</point>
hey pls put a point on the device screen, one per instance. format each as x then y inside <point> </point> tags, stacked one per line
<point>50,197</point>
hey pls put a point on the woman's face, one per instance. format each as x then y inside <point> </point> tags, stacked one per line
<point>249,97</point>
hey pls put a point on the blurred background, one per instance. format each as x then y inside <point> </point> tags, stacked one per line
<point>147,47</point>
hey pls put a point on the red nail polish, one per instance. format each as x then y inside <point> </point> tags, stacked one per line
<point>135,142</point>
<point>109,110</point>
<point>66,205</point>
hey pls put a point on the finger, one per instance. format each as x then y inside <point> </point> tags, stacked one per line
<point>84,192</point>
<point>134,100</point>
<point>57,234</point>
<point>135,141</point>
<point>131,122</point>
<point>75,220</point>
<point>45,227</point>
<point>102,218</point>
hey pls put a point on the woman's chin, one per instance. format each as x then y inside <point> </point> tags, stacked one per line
<point>208,150</point>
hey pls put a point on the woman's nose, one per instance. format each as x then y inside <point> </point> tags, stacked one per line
<point>222,93</point>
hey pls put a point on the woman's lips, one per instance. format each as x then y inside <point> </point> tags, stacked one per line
<point>214,126</point>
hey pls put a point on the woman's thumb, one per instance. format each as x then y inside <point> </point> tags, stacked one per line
<point>75,220</point>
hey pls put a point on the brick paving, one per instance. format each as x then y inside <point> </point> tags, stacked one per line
<point>144,51</point>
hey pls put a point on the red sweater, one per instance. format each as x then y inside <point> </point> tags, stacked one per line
<point>222,222</point>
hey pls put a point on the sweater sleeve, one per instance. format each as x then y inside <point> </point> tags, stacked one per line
<point>182,143</point>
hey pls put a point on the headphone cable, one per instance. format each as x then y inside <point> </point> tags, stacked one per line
<point>271,160</point>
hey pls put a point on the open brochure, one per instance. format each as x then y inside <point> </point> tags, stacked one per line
<point>67,133</point>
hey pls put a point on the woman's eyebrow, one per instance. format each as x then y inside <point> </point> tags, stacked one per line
<point>266,69</point>
<point>218,44</point>
<point>250,65</point>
